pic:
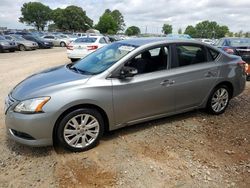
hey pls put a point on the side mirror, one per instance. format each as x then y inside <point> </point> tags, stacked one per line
<point>127,72</point>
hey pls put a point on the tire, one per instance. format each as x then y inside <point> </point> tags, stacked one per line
<point>22,47</point>
<point>217,105</point>
<point>62,44</point>
<point>76,137</point>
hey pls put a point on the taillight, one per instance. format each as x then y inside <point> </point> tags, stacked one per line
<point>92,47</point>
<point>229,50</point>
<point>244,65</point>
<point>70,46</point>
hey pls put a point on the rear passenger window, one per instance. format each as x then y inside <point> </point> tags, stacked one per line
<point>190,55</point>
<point>214,54</point>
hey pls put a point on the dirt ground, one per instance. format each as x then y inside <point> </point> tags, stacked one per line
<point>189,150</point>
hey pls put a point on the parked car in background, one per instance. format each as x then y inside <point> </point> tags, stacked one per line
<point>121,84</point>
<point>68,36</point>
<point>56,40</point>
<point>7,45</point>
<point>207,41</point>
<point>41,43</point>
<point>178,36</point>
<point>84,46</point>
<point>237,46</point>
<point>22,44</point>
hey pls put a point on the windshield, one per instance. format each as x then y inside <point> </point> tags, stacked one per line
<point>239,42</point>
<point>2,38</point>
<point>86,40</point>
<point>102,59</point>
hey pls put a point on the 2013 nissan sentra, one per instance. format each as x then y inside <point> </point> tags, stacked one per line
<point>123,83</point>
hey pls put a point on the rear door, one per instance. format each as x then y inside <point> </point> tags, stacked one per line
<point>195,74</point>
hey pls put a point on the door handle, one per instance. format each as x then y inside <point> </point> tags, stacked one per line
<point>167,82</point>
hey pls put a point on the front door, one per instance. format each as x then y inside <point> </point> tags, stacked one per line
<point>150,93</point>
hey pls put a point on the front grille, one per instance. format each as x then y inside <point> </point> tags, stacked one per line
<point>22,135</point>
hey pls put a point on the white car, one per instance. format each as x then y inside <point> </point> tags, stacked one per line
<point>84,46</point>
<point>57,40</point>
<point>207,41</point>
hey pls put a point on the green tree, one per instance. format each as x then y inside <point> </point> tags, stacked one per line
<point>118,17</point>
<point>247,34</point>
<point>191,31</point>
<point>207,29</point>
<point>107,24</point>
<point>132,30</point>
<point>179,31</point>
<point>52,27</point>
<point>167,29</point>
<point>72,18</point>
<point>35,14</point>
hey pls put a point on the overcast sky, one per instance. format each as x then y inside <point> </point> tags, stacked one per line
<point>151,13</point>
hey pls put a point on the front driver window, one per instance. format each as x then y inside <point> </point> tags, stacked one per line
<point>152,60</point>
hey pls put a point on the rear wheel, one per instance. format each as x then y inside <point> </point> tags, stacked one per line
<point>218,100</point>
<point>62,44</point>
<point>80,130</point>
<point>22,47</point>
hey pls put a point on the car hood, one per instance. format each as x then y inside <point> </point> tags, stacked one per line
<point>45,82</point>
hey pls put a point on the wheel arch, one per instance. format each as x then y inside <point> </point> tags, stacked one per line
<point>91,106</point>
<point>229,85</point>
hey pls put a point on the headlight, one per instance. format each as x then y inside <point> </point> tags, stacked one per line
<point>32,105</point>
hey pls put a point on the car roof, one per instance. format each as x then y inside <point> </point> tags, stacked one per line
<point>156,40</point>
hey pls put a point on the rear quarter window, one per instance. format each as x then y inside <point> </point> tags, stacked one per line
<point>213,53</point>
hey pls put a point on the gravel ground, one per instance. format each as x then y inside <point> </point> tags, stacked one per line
<point>188,150</point>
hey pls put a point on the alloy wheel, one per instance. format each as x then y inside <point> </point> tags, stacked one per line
<point>219,100</point>
<point>81,130</point>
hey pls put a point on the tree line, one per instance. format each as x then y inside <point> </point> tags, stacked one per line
<point>74,18</point>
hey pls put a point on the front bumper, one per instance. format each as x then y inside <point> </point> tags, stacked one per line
<point>11,47</point>
<point>30,129</point>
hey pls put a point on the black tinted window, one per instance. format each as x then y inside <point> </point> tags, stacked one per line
<point>152,60</point>
<point>189,55</point>
<point>86,40</point>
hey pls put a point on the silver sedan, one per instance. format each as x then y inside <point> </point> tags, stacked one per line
<point>121,84</point>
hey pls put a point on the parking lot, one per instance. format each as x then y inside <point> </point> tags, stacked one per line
<point>189,150</point>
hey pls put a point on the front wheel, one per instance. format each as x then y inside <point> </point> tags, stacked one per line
<point>218,100</point>
<point>80,130</point>
<point>22,47</point>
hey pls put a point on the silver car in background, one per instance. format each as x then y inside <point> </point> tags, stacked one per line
<point>121,84</point>
<point>22,44</point>
<point>57,40</point>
